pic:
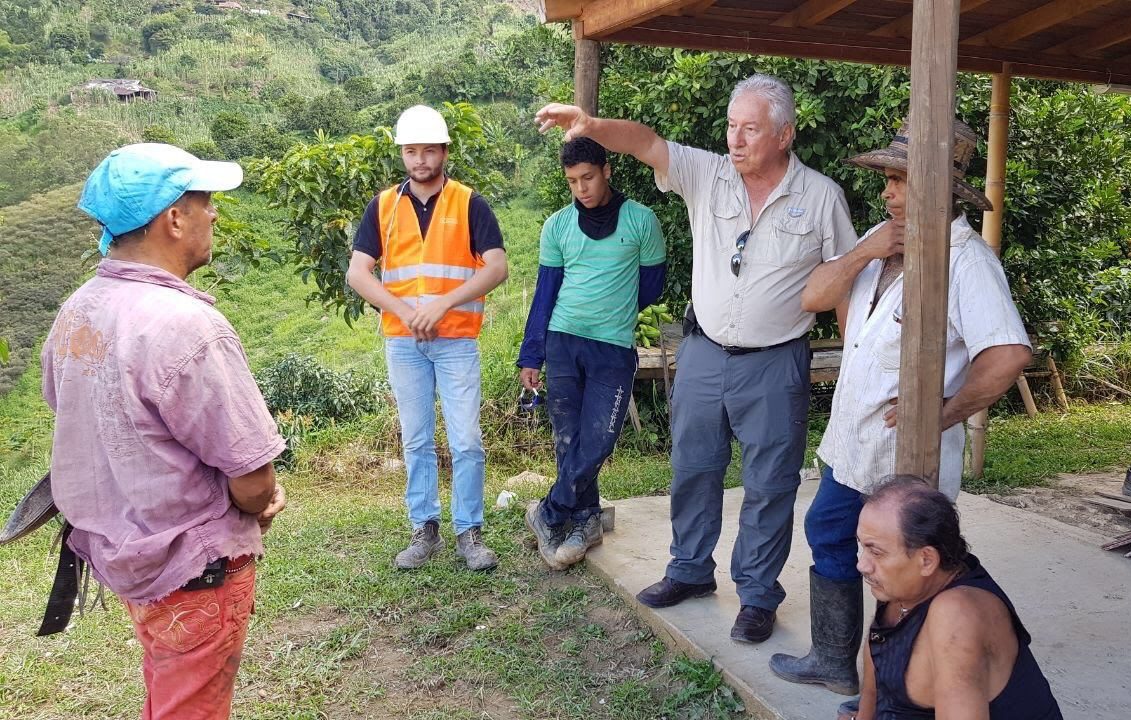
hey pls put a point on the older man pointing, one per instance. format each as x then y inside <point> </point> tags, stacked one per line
<point>760,223</point>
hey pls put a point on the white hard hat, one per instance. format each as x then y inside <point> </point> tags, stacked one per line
<point>421,125</point>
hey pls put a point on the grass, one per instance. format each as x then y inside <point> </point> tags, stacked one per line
<point>1021,451</point>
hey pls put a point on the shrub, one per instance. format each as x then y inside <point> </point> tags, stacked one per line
<point>67,37</point>
<point>331,113</point>
<point>228,126</point>
<point>158,134</point>
<point>304,396</point>
<point>205,150</point>
<point>339,67</point>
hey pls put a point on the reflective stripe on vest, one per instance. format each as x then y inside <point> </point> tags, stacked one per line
<point>472,307</point>
<point>419,269</point>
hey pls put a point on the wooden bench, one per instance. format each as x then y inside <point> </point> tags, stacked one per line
<point>825,367</point>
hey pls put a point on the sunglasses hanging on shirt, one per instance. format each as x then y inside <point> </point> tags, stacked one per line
<point>736,259</point>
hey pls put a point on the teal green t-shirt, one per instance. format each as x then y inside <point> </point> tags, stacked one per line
<point>600,289</point>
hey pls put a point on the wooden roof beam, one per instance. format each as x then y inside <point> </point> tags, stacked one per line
<point>558,10</point>
<point>902,26</point>
<point>1095,41</point>
<point>811,13</point>
<point>1034,21</point>
<point>698,8</point>
<point>604,17</point>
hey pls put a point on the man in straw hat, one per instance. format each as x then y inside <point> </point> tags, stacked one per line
<point>161,457</point>
<point>986,348</point>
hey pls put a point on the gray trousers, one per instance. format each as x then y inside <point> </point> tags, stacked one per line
<point>762,400</point>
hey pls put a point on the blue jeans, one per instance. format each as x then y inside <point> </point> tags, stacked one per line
<point>418,371</point>
<point>589,384</point>
<point>830,528</point>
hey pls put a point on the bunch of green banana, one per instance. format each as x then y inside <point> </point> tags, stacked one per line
<point>648,324</point>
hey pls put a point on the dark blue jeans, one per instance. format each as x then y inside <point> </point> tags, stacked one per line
<point>588,385</point>
<point>830,528</point>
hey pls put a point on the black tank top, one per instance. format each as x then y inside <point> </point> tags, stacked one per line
<point>1026,696</point>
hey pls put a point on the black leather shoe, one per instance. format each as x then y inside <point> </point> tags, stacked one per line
<point>753,624</point>
<point>670,592</point>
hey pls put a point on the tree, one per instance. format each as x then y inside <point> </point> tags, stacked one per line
<point>160,32</point>
<point>67,37</point>
<point>331,113</point>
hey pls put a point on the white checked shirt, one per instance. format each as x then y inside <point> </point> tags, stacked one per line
<point>980,314</point>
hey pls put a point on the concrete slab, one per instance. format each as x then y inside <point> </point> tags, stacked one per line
<point>1071,595</point>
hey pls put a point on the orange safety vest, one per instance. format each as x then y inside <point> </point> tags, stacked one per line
<point>417,269</point>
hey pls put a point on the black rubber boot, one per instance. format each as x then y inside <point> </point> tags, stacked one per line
<point>836,610</point>
<point>1127,483</point>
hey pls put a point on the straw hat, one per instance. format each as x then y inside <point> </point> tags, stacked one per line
<point>894,156</point>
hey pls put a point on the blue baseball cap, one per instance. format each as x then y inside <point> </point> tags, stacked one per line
<point>136,183</point>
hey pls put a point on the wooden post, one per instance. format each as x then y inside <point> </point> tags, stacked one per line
<point>586,70</point>
<point>934,66</point>
<point>991,228</point>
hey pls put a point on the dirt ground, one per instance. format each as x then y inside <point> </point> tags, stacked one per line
<point>1065,499</point>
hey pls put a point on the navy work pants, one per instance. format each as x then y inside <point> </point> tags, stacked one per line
<point>588,386</point>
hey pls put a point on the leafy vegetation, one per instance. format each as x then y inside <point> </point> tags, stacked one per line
<point>41,249</point>
<point>1067,236</point>
<point>303,396</point>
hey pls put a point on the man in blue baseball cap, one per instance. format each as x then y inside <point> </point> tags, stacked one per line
<point>161,458</point>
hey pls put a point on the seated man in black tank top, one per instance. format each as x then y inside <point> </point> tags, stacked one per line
<point>946,641</point>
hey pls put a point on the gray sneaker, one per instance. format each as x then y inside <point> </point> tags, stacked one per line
<point>470,547</point>
<point>425,543</point>
<point>549,537</point>
<point>580,539</point>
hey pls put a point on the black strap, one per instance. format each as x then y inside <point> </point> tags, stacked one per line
<point>61,602</point>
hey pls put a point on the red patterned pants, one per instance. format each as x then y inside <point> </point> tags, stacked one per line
<point>193,641</point>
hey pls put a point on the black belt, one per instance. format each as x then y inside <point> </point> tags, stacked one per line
<point>212,577</point>
<point>736,350</point>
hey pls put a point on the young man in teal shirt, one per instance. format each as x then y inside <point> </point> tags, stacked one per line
<point>601,260</point>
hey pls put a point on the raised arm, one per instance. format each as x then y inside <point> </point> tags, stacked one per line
<point>831,282</point>
<point>620,136</point>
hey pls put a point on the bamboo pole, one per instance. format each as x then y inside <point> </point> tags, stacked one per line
<point>586,70</point>
<point>991,233</point>
<point>934,63</point>
<point>1027,396</point>
<point>1057,385</point>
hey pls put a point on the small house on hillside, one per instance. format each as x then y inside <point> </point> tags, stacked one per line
<point>123,89</point>
<point>257,11</point>
<point>229,5</point>
<point>299,16</point>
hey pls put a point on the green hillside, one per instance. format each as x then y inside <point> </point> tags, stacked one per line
<point>41,245</point>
